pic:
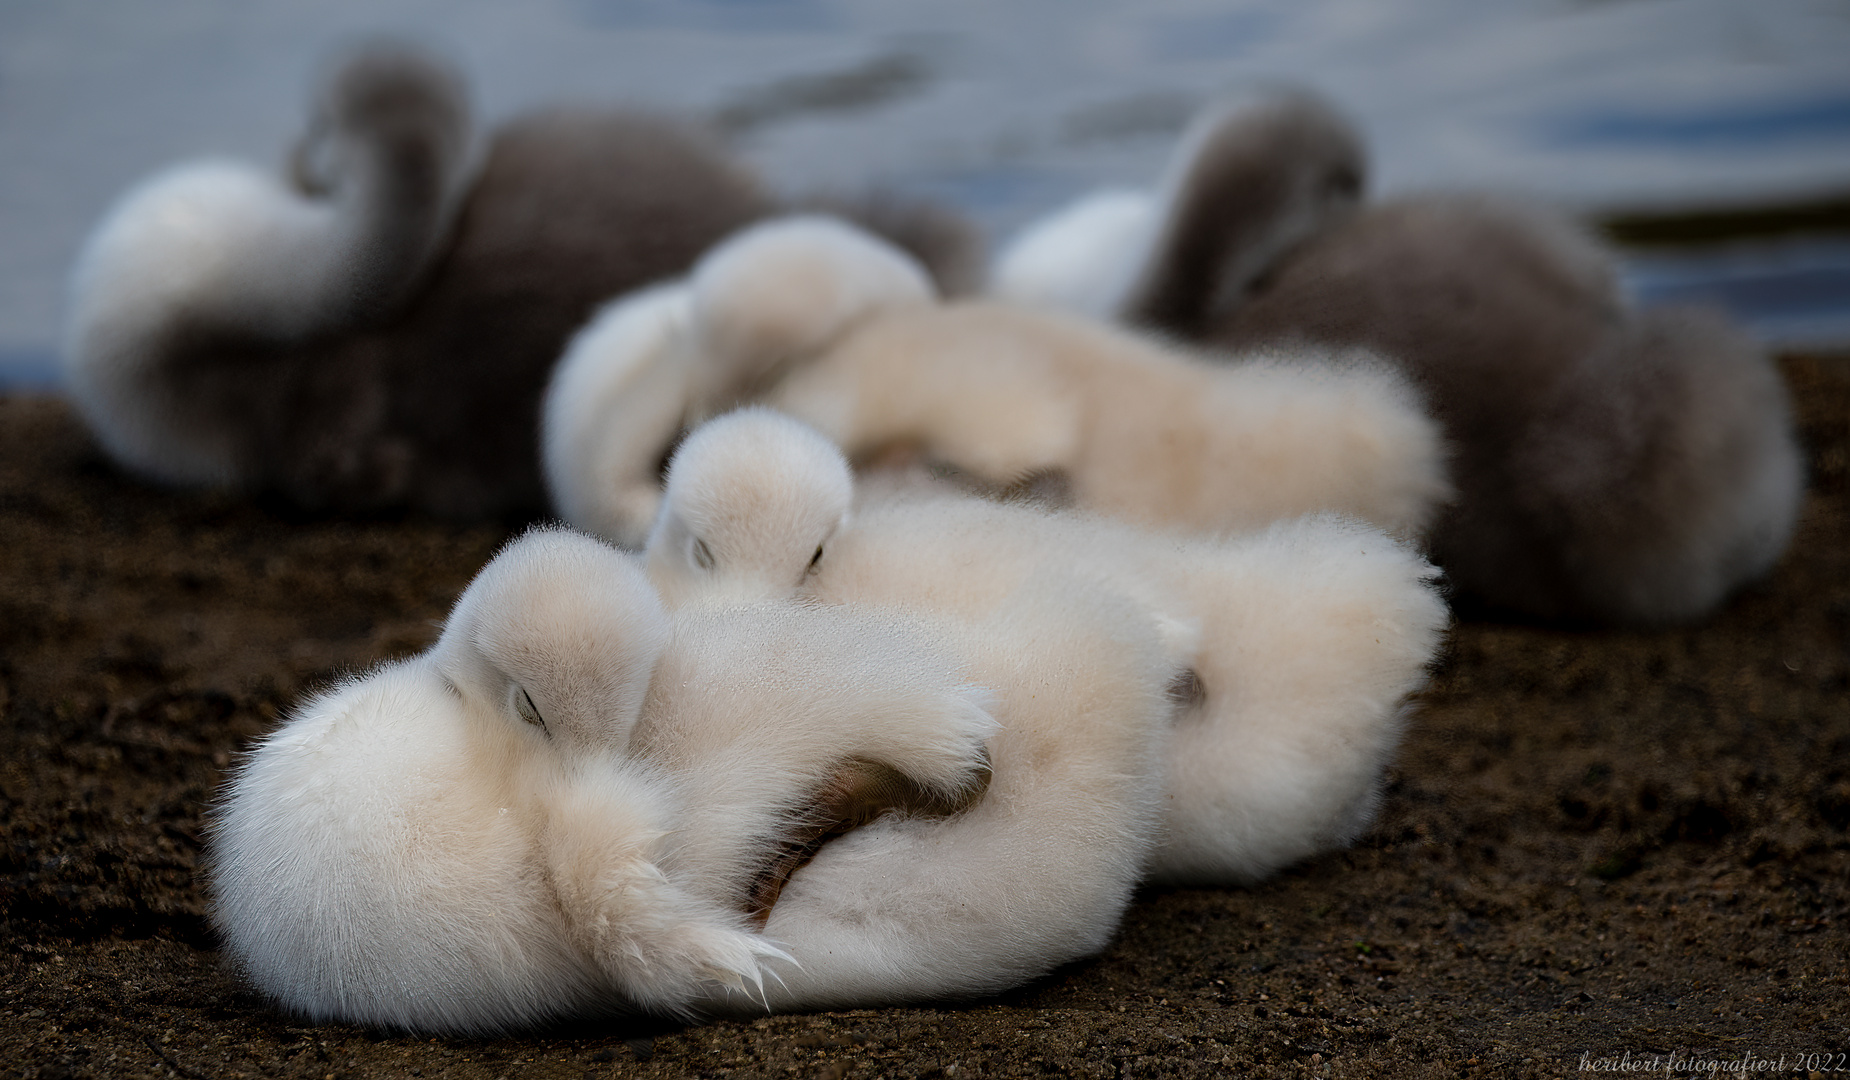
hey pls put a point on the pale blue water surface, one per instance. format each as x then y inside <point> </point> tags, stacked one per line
<point>1004,107</point>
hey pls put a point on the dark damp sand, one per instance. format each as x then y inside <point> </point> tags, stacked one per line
<point>1594,842</point>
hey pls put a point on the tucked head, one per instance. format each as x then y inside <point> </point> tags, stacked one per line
<point>561,632</point>
<point>491,834</point>
<point>386,856</point>
<point>782,289</point>
<point>753,500</point>
<point>384,96</point>
<point>1250,181</point>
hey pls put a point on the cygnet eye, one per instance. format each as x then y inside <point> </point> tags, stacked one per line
<point>703,555</point>
<point>523,704</point>
<point>815,561</point>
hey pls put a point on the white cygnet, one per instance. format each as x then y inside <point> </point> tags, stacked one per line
<point>458,841</point>
<point>1291,650</point>
<point>573,803</point>
<point>652,363</point>
<point>1006,397</point>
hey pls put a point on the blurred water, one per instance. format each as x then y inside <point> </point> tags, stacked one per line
<point>1793,292</point>
<point>1006,109</point>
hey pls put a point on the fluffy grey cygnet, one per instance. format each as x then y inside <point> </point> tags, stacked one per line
<point>377,330</point>
<point>1612,464</point>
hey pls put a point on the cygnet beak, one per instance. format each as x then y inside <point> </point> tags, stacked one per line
<point>858,793</point>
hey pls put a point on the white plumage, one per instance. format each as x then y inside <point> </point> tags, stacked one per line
<point>1305,637</point>
<point>780,290</point>
<point>458,842</point>
<point>1004,396</point>
<point>613,407</point>
<point>757,502</point>
<point>1035,873</point>
<point>576,803</point>
<point>652,363</point>
<point>1080,258</point>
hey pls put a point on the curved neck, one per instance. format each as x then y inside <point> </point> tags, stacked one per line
<point>387,153</point>
<point>392,209</point>
<point>1247,186</point>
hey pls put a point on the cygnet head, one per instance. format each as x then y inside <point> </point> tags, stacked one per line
<point>561,631</point>
<point>389,143</point>
<point>1250,180</point>
<point>384,94</point>
<point>457,842</point>
<point>753,499</point>
<point>780,290</point>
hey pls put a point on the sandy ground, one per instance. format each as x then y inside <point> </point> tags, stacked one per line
<point>1595,843</point>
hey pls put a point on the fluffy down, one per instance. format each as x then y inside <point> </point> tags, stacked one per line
<point>1131,428</point>
<point>1005,399</point>
<point>913,906</point>
<point>569,804</point>
<point>377,330</point>
<point>1290,650</point>
<point>456,842</point>
<point>1613,465</point>
<point>653,363</point>
<point>202,258</point>
<point>1074,259</point>
<point>752,501</point>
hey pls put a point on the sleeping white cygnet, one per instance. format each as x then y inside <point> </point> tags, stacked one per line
<point>1035,873</point>
<point>1002,394</point>
<point>458,841</point>
<point>1298,644</point>
<point>658,361</point>
<point>575,803</point>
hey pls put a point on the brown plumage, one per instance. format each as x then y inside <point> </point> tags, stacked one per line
<point>1214,247</point>
<point>421,388</point>
<point>439,408</point>
<point>1611,464</point>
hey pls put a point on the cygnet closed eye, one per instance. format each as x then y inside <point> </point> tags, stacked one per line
<point>460,841</point>
<point>524,707</point>
<point>752,501</point>
<point>560,630</point>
